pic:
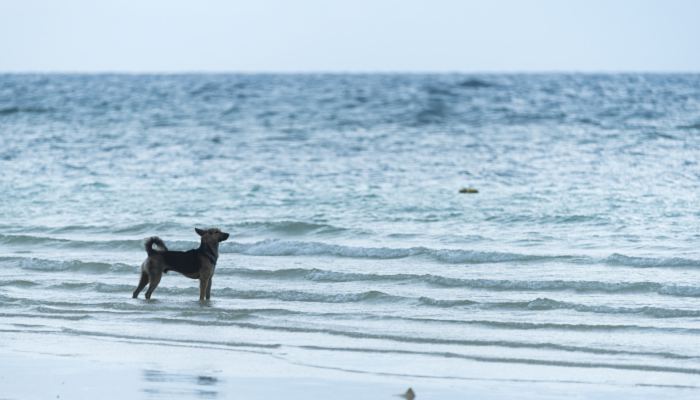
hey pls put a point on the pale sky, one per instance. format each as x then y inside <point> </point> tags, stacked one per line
<point>349,36</point>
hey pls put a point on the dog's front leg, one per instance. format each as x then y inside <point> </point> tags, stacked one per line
<point>204,281</point>
<point>209,288</point>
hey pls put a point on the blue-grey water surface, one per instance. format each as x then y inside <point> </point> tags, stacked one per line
<point>349,234</point>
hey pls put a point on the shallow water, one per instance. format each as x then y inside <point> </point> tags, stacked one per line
<point>351,245</point>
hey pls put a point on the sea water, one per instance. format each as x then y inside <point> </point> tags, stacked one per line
<point>351,248</point>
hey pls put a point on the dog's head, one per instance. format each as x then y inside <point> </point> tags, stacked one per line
<point>214,235</point>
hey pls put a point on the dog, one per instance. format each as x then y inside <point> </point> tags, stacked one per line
<point>198,263</point>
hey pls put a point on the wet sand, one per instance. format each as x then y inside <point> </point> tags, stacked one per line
<point>50,365</point>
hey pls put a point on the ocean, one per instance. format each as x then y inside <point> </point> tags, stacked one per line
<point>574,269</point>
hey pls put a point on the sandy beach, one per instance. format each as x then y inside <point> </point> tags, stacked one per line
<point>51,365</point>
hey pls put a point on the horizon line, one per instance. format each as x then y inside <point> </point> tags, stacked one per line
<point>349,72</point>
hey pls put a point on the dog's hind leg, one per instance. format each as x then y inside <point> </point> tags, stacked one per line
<point>142,284</point>
<point>155,280</point>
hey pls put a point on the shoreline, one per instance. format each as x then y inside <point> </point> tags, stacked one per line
<point>40,365</point>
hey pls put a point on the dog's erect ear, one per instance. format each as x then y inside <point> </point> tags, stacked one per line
<point>200,232</point>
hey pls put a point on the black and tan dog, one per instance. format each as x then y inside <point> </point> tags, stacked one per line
<point>196,263</point>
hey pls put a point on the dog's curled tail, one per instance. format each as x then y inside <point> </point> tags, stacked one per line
<point>158,242</point>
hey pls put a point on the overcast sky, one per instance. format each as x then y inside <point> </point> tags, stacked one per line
<point>352,35</point>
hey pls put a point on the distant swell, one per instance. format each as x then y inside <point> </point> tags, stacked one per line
<point>24,241</point>
<point>129,245</point>
<point>283,227</point>
<point>488,284</point>
<point>318,275</point>
<point>38,264</point>
<point>545,304</point>
<point>647,262</point>
<point>273,247</point>
<point>291,228</point>
<point>374,296</point>
<point>276,247</point>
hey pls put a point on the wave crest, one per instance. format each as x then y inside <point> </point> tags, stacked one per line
<point>319,275</point>
<point>275,247</point>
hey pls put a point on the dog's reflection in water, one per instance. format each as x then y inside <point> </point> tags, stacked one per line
<point>165,385</point>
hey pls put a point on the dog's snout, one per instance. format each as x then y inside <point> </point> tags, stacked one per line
<point>224,236</point>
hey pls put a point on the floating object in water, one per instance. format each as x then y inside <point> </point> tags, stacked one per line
<point>409,395</point>
<point>468,190</point>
